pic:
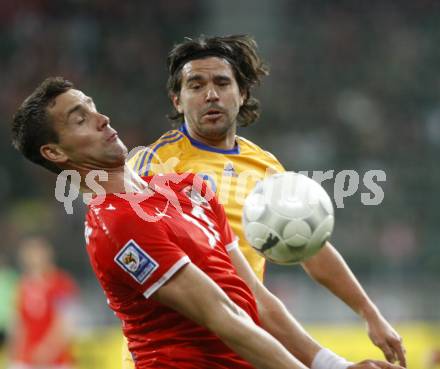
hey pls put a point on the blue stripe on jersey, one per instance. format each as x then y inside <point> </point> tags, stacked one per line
<point>153,151</point>
<point>136,167</point>
<point>170,134</point>
<point>142,157</point>
<point>201,145</point>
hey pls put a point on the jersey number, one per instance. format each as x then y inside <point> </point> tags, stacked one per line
<point>210,232</point>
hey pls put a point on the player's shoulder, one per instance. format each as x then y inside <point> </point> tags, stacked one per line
<point>247,145</point>
<point>250,150</point>
<point>188,186</point>
<point>167,140</point>
<point>176,181</point>
<point>167,145</point>
<point>113,226</point>
<point>116,214</point>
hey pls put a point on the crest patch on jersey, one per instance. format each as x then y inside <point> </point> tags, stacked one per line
<point>136,261</point>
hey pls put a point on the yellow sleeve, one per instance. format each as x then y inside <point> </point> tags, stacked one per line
<point>276,166</point>
<point>135,162</point>
<point>146,162</point>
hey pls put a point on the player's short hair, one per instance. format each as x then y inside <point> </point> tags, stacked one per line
<point>241,53</point>
<point>32,126</point>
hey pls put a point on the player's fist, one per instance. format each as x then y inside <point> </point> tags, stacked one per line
<point>374,364</point>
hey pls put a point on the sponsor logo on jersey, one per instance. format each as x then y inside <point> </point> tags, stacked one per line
<point>136,262</point>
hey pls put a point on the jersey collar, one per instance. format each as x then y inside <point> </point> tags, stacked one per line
<point>202,146</point>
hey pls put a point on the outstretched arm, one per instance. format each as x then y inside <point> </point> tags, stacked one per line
<point>329,269</point>
<point>193,294</point>
<point>276,320</point>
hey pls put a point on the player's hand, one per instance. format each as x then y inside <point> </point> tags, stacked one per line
<point>383,335</point>
<point>374,364</point>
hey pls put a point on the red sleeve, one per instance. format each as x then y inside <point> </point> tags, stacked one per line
<point>142,253</point>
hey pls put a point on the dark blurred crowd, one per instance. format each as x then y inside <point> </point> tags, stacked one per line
<point>353,85</point>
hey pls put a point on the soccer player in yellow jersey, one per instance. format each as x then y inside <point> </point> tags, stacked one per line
<point>231,173</point>
<point>210,84</point>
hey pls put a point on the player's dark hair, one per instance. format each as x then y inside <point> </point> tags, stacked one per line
<point>32,126</point>
<point>239,50</point>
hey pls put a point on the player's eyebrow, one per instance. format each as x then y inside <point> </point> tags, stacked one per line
<point>199,77</point>
<point>222,78</point>
<point>194,78</point>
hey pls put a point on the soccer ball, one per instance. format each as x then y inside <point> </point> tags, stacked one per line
<point>288,217</point>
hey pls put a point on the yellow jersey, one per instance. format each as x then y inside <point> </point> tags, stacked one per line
<point>231,173</point>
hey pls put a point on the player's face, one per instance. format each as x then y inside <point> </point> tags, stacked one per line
<point>86,139</point>
<point>209,98</point>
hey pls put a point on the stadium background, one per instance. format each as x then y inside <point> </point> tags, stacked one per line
<point>353,85</point>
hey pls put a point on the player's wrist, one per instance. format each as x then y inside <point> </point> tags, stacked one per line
<point>369,312</point>
<point>327,359</point>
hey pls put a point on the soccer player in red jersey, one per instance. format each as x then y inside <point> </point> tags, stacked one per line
<point>164,253</point>
<point>46,297</point>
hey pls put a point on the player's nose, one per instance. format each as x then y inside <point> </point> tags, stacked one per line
<point>211,95</point>
<point>103,121</point>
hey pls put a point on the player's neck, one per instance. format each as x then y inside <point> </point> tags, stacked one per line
<point>226,142</point>
<point>117,180</point>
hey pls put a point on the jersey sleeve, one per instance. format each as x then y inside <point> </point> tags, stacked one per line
<point>275,166</point>
<point>143,254</point>
<point>159,157</point>
<point>141,161</point>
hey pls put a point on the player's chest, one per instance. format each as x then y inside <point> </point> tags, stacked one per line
<point>221,165</point>
<point>194,230</point>
<point>228,176</point>
<point>36,298</point>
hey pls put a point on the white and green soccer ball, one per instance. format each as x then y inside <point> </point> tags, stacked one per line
<point>288,217</point>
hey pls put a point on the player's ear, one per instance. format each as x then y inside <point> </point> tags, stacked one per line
<point>53,153</point>
<point>176,102</point>
<point>243,97</point>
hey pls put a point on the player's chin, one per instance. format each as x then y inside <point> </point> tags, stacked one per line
<point>117,153</point>
<point>116,161</point>
<point>119,148</point>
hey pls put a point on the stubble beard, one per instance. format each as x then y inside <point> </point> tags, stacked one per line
<point>215,130</point>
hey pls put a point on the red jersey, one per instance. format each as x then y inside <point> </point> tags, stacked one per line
<point>40,302</point>
<point>133,258</point>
